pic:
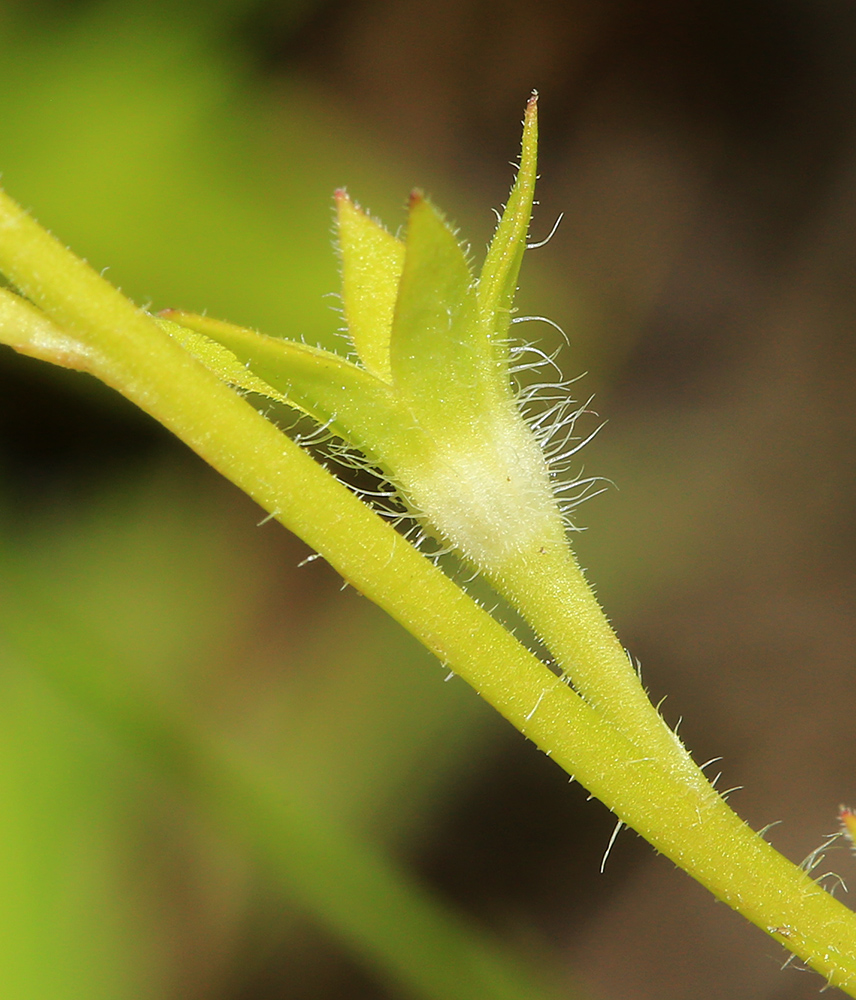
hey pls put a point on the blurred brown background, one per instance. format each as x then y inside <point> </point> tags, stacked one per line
<point>703,155</point>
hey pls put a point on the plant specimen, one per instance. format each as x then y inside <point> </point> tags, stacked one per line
<point>428,399</point>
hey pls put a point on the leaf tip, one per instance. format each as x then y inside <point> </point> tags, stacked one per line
<point>343,205</point>
<point>530,126</point>
<point>847,819</point>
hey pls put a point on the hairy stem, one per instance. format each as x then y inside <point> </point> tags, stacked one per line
<point>549,590</point>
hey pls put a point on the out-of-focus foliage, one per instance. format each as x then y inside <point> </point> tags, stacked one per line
<point>136,132</point>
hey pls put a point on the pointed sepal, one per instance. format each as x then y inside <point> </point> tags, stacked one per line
<point>498,281</point>
<point>441,362</point>
<point>372,260</point>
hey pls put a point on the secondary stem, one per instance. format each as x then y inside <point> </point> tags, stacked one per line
<point>549,590</point>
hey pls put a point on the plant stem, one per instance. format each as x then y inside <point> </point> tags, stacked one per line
<point>669,804</point>
<point>549,590</point>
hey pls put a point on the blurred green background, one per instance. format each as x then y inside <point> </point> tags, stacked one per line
<point>704,157</point>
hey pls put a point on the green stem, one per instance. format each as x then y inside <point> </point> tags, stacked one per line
<point>671,807</point>
<point>549,590</point>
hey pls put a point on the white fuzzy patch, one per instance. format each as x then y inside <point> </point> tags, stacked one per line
<point>487,490</point>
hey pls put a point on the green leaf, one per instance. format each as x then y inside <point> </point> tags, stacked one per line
<point>498,282</point>
<point>219,359</point>
<point>351,402</point>
<point>372,260</point>
<point>441,362</point>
